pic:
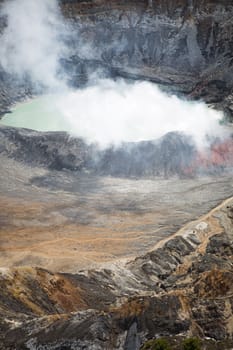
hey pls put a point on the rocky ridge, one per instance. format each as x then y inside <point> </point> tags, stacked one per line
<point>183,286</point>
<point>174,154</point>
<point>170,155</point>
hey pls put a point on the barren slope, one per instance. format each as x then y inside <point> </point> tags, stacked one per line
<point>65,220</point>
<point>183,286</point>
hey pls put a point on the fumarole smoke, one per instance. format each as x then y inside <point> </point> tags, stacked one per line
<point>31,44</point>
<point>115,111</point>
<point>106,112</point>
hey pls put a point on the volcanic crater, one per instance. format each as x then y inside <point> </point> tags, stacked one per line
<point>109,248</point>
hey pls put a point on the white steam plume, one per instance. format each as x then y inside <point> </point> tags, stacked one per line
<point>30,44</point>
<point>112,112</point>
<point>108,112</point>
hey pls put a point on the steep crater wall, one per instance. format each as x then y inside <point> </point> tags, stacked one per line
<point>183,45</point>
<point>186,46</point>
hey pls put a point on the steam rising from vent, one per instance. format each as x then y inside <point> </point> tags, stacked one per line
<point>30,44</point>
<point>112,112</point>
<point>109,112</point>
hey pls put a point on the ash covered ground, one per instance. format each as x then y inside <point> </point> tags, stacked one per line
<point>68,220</point>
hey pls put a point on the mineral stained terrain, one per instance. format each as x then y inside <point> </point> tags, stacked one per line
<point>93,261</point>
<point>60,212</point>
<point>183,285</point>
<point>107,249</point>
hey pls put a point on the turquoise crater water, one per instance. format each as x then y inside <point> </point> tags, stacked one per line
<point>113,112</point>
<point>41,114</point>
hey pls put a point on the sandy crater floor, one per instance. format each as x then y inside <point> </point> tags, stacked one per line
<point>65,221</point>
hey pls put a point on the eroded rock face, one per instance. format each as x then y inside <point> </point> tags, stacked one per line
<point>188,289</point>
<point>55,150</point>
<point>186,46</point>
<point>174,154</point>
<point>183,285</point>
<point>170,155</point>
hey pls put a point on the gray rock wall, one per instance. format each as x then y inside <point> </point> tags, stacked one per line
<point>186,46</point>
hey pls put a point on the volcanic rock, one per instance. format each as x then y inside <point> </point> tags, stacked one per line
<point>186,47</point>
<point>179,299</point>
